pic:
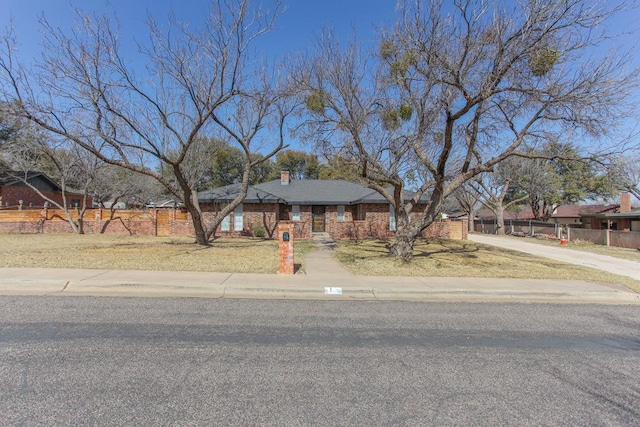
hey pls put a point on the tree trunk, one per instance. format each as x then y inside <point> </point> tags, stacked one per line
<point>196,219</point>
<point>402,246</point>
<point>70,220</point>
<point>500,220</point>
<point>198,226</point>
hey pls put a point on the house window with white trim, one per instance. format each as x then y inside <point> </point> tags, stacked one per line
<point>238,223</point>
<point>295,212</point>
<point>225,225</point>
<point>392,218</point>
<point>340,212</point>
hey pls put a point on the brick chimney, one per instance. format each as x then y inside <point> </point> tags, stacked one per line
<point>625,202</point>
<point>285,177</point>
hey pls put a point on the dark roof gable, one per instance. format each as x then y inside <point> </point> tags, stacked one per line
<point>10,178</point>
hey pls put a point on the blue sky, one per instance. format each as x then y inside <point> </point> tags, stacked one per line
<point>295,29</point>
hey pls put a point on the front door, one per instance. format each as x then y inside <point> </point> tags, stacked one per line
<point>318,219</point>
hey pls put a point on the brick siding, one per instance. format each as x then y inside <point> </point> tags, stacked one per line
<point>375,223</point>
<point>10,196</point>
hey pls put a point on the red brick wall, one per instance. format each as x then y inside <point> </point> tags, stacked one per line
<point>625,202</point>
<point>95,221</point>
<point>301,228</point>
<point>11,196</point>
<point>285,248</point>
<point>255,216</point>
<point>261,216</point>
<point>375,224</point>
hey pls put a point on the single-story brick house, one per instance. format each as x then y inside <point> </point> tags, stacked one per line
<point>15,194</point>
<point>563,214</point>
<point>344,209</point>
<point>622,218</point>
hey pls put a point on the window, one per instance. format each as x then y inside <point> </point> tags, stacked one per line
<point>392,218</point>
<point>225,225</point>
<point>238,223</point>
<point>340,212</point>
<point>295,213</point>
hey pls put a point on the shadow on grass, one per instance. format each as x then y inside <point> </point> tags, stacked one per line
<point>467,249</point>
<point>222,243</point>
<point>422,249</point>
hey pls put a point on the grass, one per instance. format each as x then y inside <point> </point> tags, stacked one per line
<point>114,252</point>
<point>436,258</point>
<point>455,258</point>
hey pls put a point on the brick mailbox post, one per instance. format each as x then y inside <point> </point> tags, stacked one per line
<point>285,250</point>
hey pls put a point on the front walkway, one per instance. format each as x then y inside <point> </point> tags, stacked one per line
<point>321,264</point>
<point>613,265</point>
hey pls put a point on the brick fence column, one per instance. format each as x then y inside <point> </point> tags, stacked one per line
<point>172,222</point>
<point>285,248</point>
<point>154,221</point>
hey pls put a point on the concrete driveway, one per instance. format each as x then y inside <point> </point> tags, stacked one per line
<point>562,253</point>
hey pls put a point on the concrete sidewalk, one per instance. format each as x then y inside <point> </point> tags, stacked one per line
<point>325,279</point>
<point>48,281</point>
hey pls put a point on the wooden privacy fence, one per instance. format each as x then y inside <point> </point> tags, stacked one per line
<point>517,227</point>
<point>620,239</point>
<point>95,221</point>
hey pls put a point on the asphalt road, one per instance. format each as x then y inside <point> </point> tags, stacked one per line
<point>137,361</point>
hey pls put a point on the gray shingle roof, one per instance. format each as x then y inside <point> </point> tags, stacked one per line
<point>313,191</point>
<point>230,192</point>
<point>298,192</point>
<point>11,178</point>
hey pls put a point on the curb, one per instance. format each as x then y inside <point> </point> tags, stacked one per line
<point>308,292</point>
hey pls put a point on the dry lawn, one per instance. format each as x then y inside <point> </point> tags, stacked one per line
<point>454,258</point>
<point>140,253</point>
<point>445,258</point>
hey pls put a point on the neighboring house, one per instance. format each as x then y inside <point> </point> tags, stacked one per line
<point>622,217</point>
<point>572,214</point>
<point>14,193</point>
<point>341,208</point>
<point>524,213</point>
<point>165,203</point>
<point>110,204</point>
<point>564,214</point>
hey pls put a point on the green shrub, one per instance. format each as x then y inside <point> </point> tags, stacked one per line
<point>259,232</point>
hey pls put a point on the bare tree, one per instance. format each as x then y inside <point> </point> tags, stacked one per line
<point>114,184</point>
<point>469,202</point>
<point>624,172</point>
<point>493,190</point>
<point>449,95</point>
<point>74,169</point>
<point>188,84</point>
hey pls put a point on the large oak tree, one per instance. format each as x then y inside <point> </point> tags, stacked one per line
<point>146,112</point>
<point>457,87</point>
